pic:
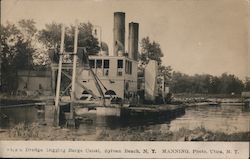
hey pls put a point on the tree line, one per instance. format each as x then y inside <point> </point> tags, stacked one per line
<point>208,84</point>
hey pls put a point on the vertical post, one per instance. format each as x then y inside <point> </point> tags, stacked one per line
<point>163,89</point>
<point>100,38</point>
<point>53,82</point>
<point>74,72</point>
<point>59,77</point>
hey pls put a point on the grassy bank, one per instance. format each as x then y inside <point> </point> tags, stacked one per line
<point>40,132</point>
<point>183,134</point>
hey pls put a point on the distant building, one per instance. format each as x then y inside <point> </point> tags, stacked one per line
<point>245,94</point>
<point>34,81</point>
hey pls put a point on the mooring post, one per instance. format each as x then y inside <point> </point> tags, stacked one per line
<point>73,80</point>
<point>57,107</point>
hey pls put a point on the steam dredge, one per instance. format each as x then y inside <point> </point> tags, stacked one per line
<point>108,85</point>
<point>101,84</point>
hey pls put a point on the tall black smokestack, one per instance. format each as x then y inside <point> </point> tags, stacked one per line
<point>119,32</point>
<point>133,40</point>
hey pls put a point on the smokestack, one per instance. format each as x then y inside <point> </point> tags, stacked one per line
<point>133,40</point>
<point>119,32</point>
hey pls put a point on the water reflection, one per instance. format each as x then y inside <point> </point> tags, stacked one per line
<point>227,119</point>
<point>13,116</point>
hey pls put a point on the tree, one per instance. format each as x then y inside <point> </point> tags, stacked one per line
<point>230,83</point>
<point>224,84</point>
<point>10,35</point>
<point>28,32</point>
<point>200,83</point>
<point>15,52</point>
<point>35,54</point>
<point>247,84</point>
<point>150,51</point>
<point>179,83</point>
<point>28,29</point>
<point>51,37</point>
<point>85,38</point>
<point>165,71</point>
<point>214,85</point>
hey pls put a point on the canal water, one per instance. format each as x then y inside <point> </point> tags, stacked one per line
<point>15,115</point>
<point>228,119</point>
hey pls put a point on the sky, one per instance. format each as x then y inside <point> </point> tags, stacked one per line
<point>196,36</point>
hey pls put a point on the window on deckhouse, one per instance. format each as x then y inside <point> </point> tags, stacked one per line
<point>119,67</point>
<point>106,67</point>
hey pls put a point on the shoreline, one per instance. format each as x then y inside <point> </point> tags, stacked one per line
<point>40,132</point>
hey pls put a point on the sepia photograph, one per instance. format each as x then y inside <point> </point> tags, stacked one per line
<point>125,72</point>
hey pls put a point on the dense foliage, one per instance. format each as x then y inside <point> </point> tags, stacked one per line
<point>150,51</point>
<point>224,84</point>
<point>51,37</point>
<point>16,51</point>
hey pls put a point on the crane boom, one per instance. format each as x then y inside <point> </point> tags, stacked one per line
<point>85,59</point>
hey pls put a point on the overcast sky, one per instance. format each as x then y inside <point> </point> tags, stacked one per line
<point>196,36</point>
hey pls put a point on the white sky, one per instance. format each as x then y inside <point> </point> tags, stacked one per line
<point>196,36</point>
